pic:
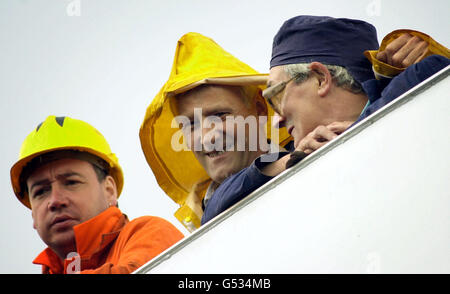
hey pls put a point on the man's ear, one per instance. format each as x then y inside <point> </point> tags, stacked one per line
<point>323,76</point>
<point>261,106</point>
<point>34,221</point>
<point>110,189</point>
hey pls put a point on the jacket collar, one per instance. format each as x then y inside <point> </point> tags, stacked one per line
<point>91,236</point>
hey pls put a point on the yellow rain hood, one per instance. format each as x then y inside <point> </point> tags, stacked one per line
<point>198,60</point>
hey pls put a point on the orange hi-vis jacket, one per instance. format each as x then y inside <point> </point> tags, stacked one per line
<point>110,244</point>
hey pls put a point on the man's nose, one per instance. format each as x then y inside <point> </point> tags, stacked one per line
<point>278,121</point>
<point>213,134</point>
<point>57,198</point>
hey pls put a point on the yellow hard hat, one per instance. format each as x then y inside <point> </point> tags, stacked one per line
<point>198,60</point>
<point>63,133</point>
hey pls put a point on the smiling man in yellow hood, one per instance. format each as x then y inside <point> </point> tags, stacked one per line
<point>190,162</point>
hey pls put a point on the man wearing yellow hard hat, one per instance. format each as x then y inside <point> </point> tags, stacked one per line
<point>205,82</point>
<point>69,178</point>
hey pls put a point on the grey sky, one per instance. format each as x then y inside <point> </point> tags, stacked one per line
<point>106,65</point>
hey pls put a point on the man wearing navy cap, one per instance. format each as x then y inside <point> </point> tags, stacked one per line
<point>320,83</point>
<point>324,56</point>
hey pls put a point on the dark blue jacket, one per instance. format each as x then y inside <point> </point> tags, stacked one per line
<point>380,92</point>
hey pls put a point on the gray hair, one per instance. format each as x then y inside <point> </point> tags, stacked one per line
<point>340,75</point>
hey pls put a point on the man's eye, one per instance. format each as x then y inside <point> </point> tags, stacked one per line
<point>41,191</point>
<point>38,192</point>
<point>222,115</point>
<point>71,182</point>
<point>194,125</point>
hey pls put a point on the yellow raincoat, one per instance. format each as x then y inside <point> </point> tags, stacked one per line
<point>198,60</point>
<point>383,69</point>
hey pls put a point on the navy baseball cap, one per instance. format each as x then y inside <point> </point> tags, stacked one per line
<point>332,41</point>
